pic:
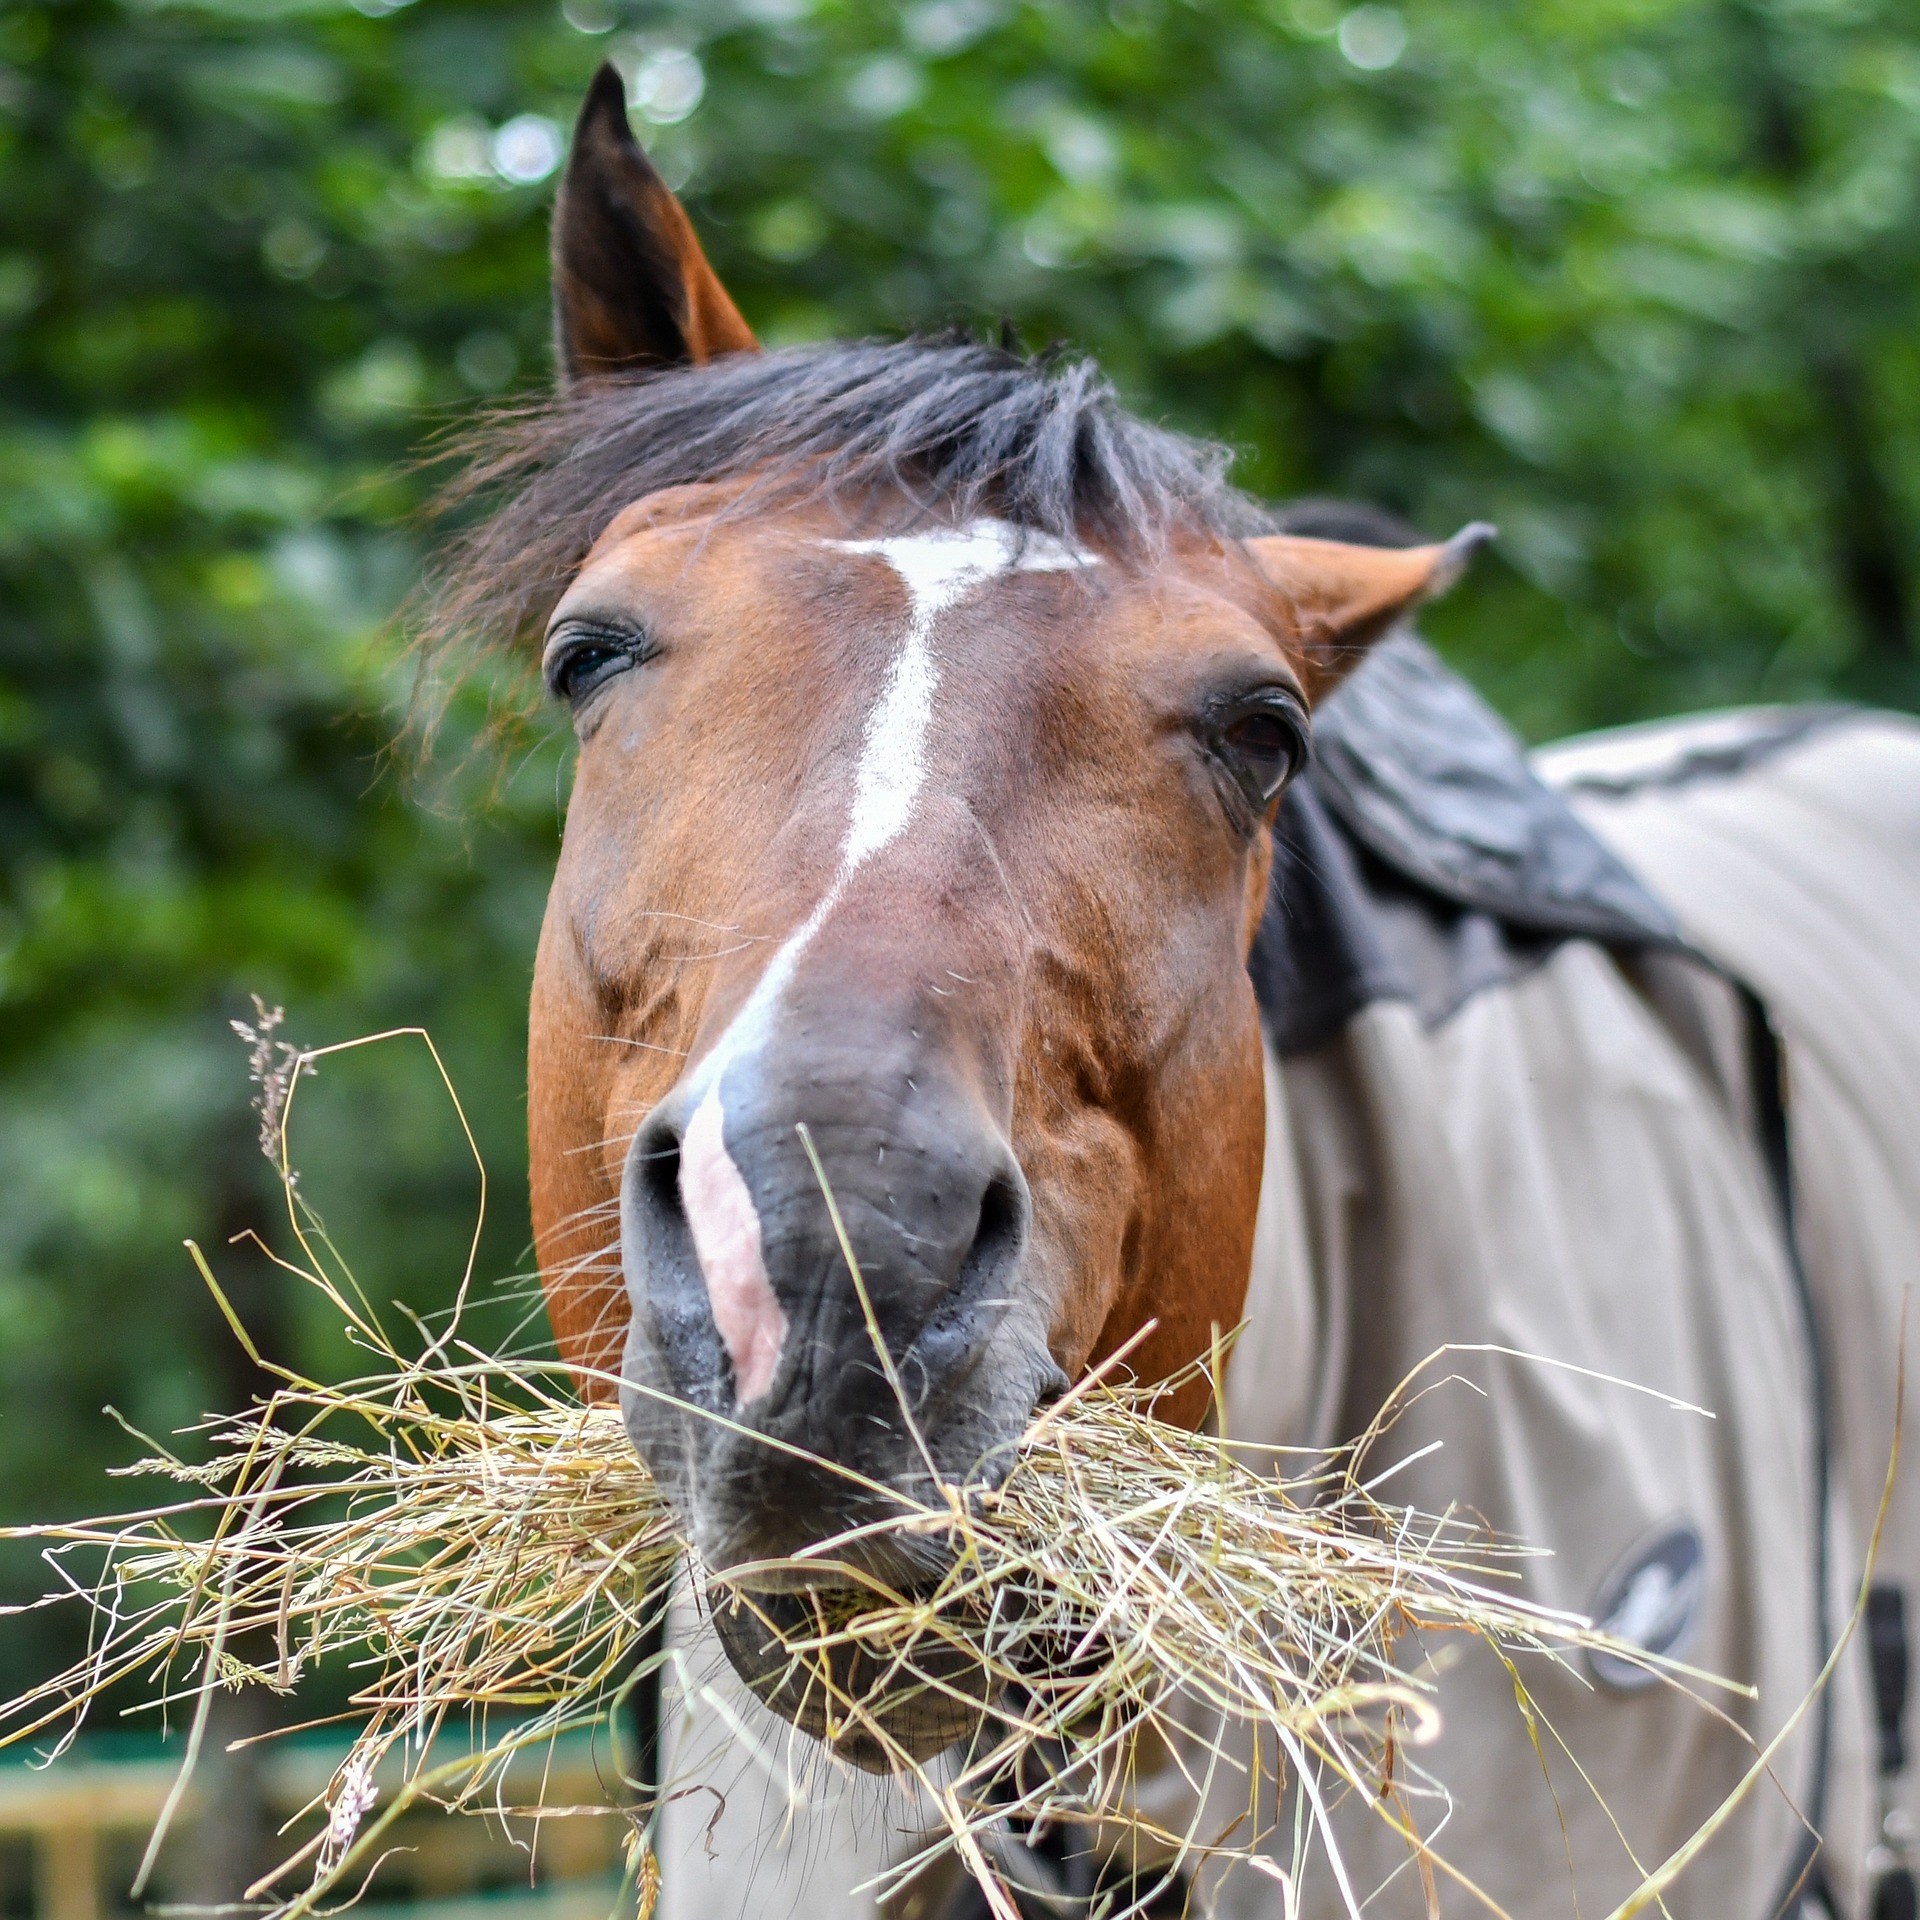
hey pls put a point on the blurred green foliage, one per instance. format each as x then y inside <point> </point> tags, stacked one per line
<point>1638,279</point>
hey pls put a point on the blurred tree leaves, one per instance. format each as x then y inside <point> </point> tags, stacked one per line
<point>1635,278</point>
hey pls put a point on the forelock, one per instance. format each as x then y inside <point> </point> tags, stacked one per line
<point>922,429</point>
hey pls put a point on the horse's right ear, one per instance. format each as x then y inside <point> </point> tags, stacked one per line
<point>631,288</point>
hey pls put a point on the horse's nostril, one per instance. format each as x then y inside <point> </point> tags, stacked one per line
<point>658,1167</point>
<point>1052,1389</point>
<point>653,1213</point>
<point>673,1313</point>
<point>996,1237</point>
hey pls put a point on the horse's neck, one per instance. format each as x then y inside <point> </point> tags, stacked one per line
<point>1289,1364</point>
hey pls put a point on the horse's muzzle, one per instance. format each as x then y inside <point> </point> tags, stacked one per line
<point>784,1397</point>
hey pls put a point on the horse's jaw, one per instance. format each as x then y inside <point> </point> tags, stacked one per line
<point>895,1716</point>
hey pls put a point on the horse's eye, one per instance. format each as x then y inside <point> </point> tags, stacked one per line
<point>1266,746</point>
<point>579,662</point>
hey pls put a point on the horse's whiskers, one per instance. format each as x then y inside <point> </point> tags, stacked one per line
<point>650,1046</point>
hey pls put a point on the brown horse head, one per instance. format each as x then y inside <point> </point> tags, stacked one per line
<point>893,1051</point>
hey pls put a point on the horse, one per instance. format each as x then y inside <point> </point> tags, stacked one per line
<point>1094,873</point>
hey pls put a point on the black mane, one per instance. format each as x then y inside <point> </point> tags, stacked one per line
<point>935,426</point>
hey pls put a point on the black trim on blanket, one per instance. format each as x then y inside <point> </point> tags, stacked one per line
<point>1889,1662</point>
<point>1712,747</point>
<point>635,1723</point>
<point>1806,1876</point>
<point>1896,1895</point>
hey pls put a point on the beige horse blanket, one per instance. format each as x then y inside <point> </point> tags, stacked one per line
<point>1563,1165</point>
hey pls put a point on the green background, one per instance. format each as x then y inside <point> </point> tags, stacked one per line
<point>1636,279</point>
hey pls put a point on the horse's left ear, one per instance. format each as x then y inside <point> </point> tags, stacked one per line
<point>631,288</point>
<point>1341,598</point>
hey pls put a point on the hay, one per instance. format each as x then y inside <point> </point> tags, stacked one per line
<point>481,1544</point>
<point>489,1552</point>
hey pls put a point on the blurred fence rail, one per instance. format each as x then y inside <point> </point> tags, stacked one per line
<point>71,1836</point>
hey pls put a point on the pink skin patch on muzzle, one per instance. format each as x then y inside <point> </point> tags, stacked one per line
<point>726,1237</point>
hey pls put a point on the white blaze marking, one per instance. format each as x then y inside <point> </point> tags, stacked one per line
<point>938,569</point>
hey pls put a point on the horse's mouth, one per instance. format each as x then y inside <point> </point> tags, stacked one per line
<point>870,1708</point>
<point>876,1569</point>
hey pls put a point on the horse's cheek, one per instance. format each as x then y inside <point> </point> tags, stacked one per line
<point>1082,1170</point>
<point>575,1217</point>
<point>1200,1198</point>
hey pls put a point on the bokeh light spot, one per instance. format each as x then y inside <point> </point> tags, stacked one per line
<point>527,149</point>
<point>1373,38</point>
